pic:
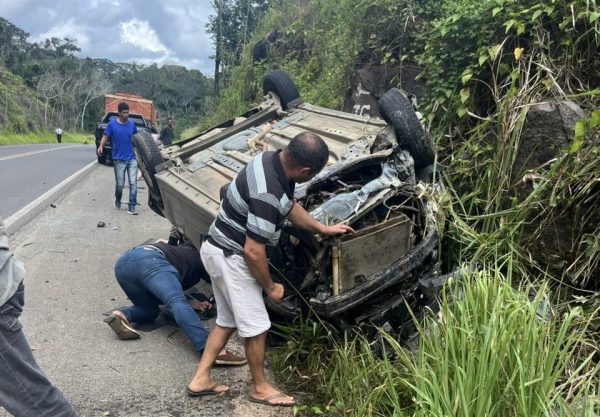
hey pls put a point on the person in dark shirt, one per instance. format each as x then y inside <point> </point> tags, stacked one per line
<point>166,134</point>
<point>158,274</point>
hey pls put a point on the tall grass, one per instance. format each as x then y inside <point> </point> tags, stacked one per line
<point>491,351</point>
<point>515,216</point>
<point>43,137</point>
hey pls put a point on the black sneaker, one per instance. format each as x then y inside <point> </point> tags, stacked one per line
<point>117,204</point>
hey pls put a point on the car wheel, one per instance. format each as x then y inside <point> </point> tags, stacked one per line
<point>397,110</point>
<point>281,84</point>
<point>148,157</point>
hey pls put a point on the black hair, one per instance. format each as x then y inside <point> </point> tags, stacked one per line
<point>308,150</point>
<point>122,106</point>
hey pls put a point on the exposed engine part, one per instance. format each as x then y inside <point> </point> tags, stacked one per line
<point>339,208</point>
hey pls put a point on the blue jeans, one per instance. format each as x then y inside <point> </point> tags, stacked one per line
<point>24,389</point>
<point>131,167</point>
<point>149,280</point>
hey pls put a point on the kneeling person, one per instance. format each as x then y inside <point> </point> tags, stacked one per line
<point>156,274</point>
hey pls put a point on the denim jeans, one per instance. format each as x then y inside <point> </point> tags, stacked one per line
<point>149,280</point>
<point>131,167</point>
<point>24,389</point>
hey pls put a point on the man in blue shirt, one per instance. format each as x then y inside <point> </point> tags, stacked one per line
<point>120,131</point>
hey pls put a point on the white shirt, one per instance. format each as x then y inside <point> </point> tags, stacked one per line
<point>58,131</point>
<point>12,270</point>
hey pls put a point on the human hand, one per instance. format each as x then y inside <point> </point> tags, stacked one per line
<point>100,150</point>
<point>201,306</point>
<point>338,229</point>
<point>275,293</point>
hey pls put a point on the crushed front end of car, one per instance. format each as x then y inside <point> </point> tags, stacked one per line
<point>371,275</point>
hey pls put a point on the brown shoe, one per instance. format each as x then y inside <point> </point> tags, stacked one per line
<point>230,359</point>
<point>119,324</point>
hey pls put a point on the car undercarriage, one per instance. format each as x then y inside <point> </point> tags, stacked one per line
<point>377,181</point>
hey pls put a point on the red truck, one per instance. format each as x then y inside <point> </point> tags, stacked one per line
<point>141,112</point>
<point>137,105</point>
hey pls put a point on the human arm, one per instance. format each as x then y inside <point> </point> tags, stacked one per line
<point>303,220</point>
<point>107,133</point>
<point>102,143</point>
<point>256,258</point>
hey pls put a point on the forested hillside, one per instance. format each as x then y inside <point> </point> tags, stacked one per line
<point>43,85</point>
<point>509,93</point>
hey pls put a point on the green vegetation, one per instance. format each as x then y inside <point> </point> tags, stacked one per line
<point>490,351</point>
<point>484,66</point>
<point>15,97</point>
<point>42,136</point>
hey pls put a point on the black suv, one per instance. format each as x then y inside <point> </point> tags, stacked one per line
<point>140,124</point>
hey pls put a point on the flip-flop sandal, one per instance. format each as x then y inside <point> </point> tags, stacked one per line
<point>121,328</point>
<point>209,391</point>
<point>267,401</point>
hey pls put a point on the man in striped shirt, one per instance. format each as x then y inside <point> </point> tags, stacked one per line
<point>257,202</point>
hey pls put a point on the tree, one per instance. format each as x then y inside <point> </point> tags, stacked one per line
<point>13,46</point>
<point>58,48</point>
<point>230,29</point>
<point>96,85</point>
<point>49,88</point>
<point>217,26</point>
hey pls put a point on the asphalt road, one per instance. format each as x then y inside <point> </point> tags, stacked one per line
<point>28,171</point>
<point>70,284</point>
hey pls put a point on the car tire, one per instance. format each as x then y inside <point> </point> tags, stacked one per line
<point>148,157</point>
<point>281,84</point>
<point>397,110</point>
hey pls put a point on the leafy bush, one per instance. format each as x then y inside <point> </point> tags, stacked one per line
<point>557,37</point>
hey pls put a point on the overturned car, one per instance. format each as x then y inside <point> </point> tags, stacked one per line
<point>377,180</point>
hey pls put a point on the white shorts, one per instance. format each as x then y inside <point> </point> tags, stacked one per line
<point>238,295</point>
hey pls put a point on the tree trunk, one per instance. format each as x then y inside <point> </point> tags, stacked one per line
<point>218,47</point>
<point>83,114</point>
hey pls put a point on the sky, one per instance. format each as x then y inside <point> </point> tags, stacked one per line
<point>142,31</point>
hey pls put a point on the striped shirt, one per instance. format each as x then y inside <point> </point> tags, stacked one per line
<point>257,202</point>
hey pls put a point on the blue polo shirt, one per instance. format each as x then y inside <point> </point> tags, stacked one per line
<point>120,138</point>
